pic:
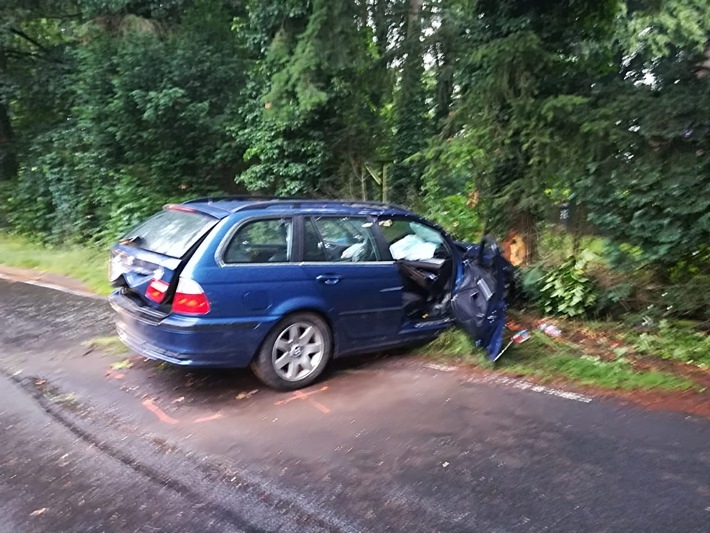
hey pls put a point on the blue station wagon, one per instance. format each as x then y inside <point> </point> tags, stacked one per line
<point>285,285</point>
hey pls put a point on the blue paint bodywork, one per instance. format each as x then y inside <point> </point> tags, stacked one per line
<point>363,306</point>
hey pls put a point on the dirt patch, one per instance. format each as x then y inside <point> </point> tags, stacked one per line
<point>690,402</point>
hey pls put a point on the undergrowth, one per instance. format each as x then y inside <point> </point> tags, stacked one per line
<point>674,340</point>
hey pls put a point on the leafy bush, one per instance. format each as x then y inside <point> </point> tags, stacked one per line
<point>688,292</point>
<point>27,205</point>
<point>530,282</point>
<point>615,298</point>
<point>680,291</point>
<point>126,205</point>
<point>568,289</point>
<point>690,298</point>
<point>455,215</point>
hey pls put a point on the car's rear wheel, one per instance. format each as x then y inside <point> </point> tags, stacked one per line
<point>295,353</point>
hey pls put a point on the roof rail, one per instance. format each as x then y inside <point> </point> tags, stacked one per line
<point>230,198</point>
<point>374,203</point>
<point>295,203</point>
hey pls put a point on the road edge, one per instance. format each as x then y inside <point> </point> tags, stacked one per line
<point>47,280</point>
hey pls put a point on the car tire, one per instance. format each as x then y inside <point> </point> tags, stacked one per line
<point>295,352</point>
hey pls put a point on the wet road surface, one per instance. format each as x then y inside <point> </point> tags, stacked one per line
<point>379,445</point>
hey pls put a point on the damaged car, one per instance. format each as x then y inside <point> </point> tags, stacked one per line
<point>284,286</point>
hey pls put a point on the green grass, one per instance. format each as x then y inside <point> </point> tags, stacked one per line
<point>85,264</point>
<point>675,340</point>
<point>455,346</point>
<point>546,359</point>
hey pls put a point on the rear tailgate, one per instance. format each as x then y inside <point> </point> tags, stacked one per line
<point>158,249</point>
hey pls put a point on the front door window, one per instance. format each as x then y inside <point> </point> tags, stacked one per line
<point>412,241</point>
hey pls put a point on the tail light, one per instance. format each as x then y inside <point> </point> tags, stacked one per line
<point>190,299</point>
<point>156,290</point>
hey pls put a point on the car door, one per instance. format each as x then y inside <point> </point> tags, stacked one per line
<point>363,292</point>
<point>478,304</point>
<point>254,275</point>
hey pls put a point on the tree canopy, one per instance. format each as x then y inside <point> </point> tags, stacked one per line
<point>487,114</point>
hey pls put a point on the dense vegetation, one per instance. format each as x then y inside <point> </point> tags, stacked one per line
<point>486,114</point>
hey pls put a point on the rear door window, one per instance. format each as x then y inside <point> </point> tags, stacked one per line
<point>171,232</point>
<point>261,241</point>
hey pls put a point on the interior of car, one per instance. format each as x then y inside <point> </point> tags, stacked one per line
<point>425,264</point>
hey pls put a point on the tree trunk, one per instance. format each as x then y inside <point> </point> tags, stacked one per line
<point>525,226</point>
<point>8,160</point>
<point>445,76</point>
<point>410,110</point>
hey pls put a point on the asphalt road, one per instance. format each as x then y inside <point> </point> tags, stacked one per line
<point>381,444</point>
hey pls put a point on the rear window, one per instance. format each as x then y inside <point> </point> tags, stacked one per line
<point>170,232</point>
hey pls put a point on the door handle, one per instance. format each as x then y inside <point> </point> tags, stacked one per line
<point>328,279</point>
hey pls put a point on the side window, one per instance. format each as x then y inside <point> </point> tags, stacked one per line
<point>412,241</point>
<point>261,241</point>
<point>339,239</point>
<point>313,247</point>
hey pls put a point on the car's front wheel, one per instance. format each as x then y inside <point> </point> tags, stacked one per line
<point>295,353</point>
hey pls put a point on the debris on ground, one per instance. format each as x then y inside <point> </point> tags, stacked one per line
<point>122,365</point>
<point>246,395</point>
<point>550,329</point>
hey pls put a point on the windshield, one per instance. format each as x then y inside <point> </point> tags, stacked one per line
<point>170,232</point>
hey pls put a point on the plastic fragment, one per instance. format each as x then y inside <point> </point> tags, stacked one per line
<point>550,329</point>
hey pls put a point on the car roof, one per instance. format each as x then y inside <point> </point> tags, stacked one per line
<point>222,206</point>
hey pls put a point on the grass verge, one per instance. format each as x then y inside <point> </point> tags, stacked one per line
<point>81,263</point>
<point>674,340</point>
<point>546,359</point>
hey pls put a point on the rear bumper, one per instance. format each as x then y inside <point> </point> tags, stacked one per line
<point>188,341</point>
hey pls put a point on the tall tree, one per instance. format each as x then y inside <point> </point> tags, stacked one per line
<point>411,108</point>
<point>319,120</point>
<point>33,38</point>
<point>515,60</point>
<point>8,160</point>
<point>644,134</point>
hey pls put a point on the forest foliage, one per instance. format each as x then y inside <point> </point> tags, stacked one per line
<point>484,114</point>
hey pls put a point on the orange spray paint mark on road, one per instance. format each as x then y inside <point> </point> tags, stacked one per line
<point>157,411</point>
<point>209,418</point>
<point>299,395</point>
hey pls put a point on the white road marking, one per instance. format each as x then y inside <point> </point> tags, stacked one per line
<point>527,385</point>
<point>441,368</point>
<point>516,383</point>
